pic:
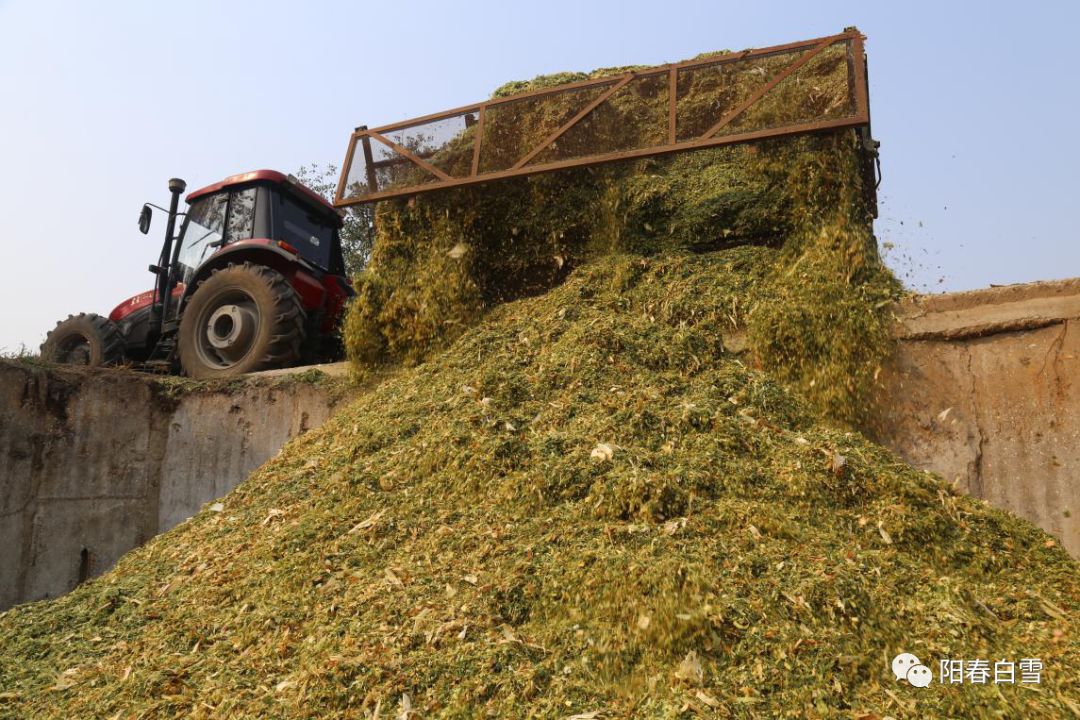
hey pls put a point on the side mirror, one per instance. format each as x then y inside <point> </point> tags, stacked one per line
<point>144,219</point>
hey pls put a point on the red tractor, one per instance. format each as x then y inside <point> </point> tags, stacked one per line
<point>253,280</point>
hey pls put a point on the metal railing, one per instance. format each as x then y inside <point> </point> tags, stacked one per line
<point>792,89</point>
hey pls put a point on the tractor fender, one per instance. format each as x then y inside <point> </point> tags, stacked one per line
<point>135,303</point>
<point>266,253</point>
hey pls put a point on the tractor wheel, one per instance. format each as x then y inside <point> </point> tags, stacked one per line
<point>84,339</point>
<point>241,319</point>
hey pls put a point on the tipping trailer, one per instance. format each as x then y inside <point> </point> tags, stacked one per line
<point>728,98</point>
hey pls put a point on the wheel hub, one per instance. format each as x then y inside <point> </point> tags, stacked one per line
<point>229,333</point>
<point>230,326</point>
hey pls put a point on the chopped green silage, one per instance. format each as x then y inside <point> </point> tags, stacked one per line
<point>816,313</point>
<point>817,317</point>
<point>580,500</point>
<point>585,504</point>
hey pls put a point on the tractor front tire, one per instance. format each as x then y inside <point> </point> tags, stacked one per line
<point>84,339</point>
<point>241,319</point>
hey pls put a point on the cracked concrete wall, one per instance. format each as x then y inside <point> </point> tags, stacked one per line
<point>94,463</point>
<point>982,390</point>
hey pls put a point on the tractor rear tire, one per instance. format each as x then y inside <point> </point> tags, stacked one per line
<point>84,339</point>
<point>242,318</point>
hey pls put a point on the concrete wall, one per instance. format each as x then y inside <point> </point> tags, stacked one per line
<point>983,391</point>
<point>94,463</point>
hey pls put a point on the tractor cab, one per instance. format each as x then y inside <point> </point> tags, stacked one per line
<point>261,207</point>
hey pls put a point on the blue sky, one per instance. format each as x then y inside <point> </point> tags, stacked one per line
<point>100,103</point>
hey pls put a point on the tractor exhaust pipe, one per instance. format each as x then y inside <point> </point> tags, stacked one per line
<point>176,187</point>
<point>165,273</point>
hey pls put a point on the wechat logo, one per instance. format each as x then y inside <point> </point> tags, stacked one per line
<point>906,666</point>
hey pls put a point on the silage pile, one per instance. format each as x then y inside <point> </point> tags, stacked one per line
<point>584,501</point>
<point>585,504</point>
<point>817,319</point>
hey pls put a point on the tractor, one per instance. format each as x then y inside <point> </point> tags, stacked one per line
<point>254,279</point>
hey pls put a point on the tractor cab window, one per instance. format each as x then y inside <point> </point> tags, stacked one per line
<point>211,224</point>
<point>203,232</point>
<point>241,223</point>
<point>309,232</point>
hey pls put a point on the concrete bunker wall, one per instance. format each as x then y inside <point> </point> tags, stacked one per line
<point>92,464</point>
<point>983,391</point>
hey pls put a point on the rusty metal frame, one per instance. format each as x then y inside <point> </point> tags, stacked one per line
<point>569,123</point>
<point>857,90</point>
